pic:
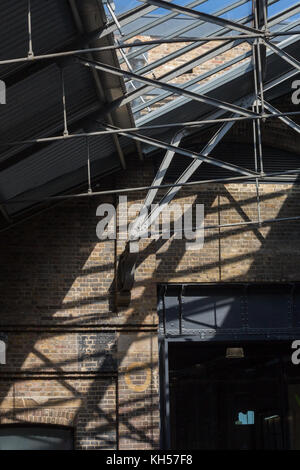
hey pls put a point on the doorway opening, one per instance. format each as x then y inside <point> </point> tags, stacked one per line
<point>224,395</point>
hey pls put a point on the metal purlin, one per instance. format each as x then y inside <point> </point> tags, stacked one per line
<point>118,43</point>
<point>30,48</point>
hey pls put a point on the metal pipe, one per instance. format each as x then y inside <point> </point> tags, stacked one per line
<point>284,55</point>
<point>194,155</point>
<point>65,131</point>
<point>205,16</point>
<point>150,127</point>
<point>183,31</point>
<point>166,86</point>
<point>148,219</point>
<point>228,180</point>
<point>30,49</point>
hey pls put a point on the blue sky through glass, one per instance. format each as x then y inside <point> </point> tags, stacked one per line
<point>209,6</point>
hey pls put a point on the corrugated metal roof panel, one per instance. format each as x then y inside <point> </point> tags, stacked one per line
<point>52,27</point>
<point>235,153</point>
<point>37,101</point>
<point>54,161</point>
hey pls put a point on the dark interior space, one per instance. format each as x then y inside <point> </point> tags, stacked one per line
<point>234,396</point>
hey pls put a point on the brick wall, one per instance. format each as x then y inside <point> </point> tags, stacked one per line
<point>73,358</point>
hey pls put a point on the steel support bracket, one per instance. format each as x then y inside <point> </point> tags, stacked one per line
<point>125,273</point>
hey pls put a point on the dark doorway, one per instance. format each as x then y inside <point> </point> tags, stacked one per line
<point>36,437</point>
<point>233,396</point>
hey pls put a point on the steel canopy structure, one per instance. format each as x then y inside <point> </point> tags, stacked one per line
<point>81,96</point>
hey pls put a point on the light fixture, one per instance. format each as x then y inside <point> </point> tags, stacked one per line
<point>234,353</point>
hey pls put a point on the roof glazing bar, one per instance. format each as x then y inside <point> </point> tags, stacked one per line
<point>198,156</point>
<point>197,23</point>
<point>182,69</point>
<point>289,122</point>
<point>161,20</point>
<point>284,55</point>
<point>204,16</point>
<point>213,36</point>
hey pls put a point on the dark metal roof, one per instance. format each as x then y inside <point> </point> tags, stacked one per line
<point>34,96</point>
<point>34,102</point>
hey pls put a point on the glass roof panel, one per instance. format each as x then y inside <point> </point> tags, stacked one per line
<point>199,56</point>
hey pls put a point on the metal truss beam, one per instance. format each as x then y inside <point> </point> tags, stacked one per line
<point>197,156</point>
<point>230,179</point>
<point>143,223</point>
<point>186,124</point>
<point>166,86</point>
<point>284,55</point>
<point>190,27</point>
<point>289,122</point>
<point>165,164</point>
<point>216,36</point>
<point>207,56</point>
<point>185,67</point>
<point>273,21</point>
<point>203,16</point>
<point>159,21</point>
<point>128,259</point>
<point>202,59</point>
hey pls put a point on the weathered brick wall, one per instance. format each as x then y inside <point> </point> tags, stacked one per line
<point>69,351</point>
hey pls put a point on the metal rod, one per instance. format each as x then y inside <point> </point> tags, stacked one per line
<point>148,220</point>
<point>289,122</point>
<point>205,16</point>
<point>150,127</point>
<point>256,169</point>
<point>88,166</point>
<point>115,19</point>
<point>257,82</point>
<point>284,55</point>
<point>231,179</point>
<point>30,48</point>
<point>123,45</point>
<point>166,86</point>
<point>65,132</point>
<point>194,155</point>
<point>160,174</point>
<point>190,27</point>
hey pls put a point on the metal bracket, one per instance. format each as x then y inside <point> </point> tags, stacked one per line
<point>125,273</point>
